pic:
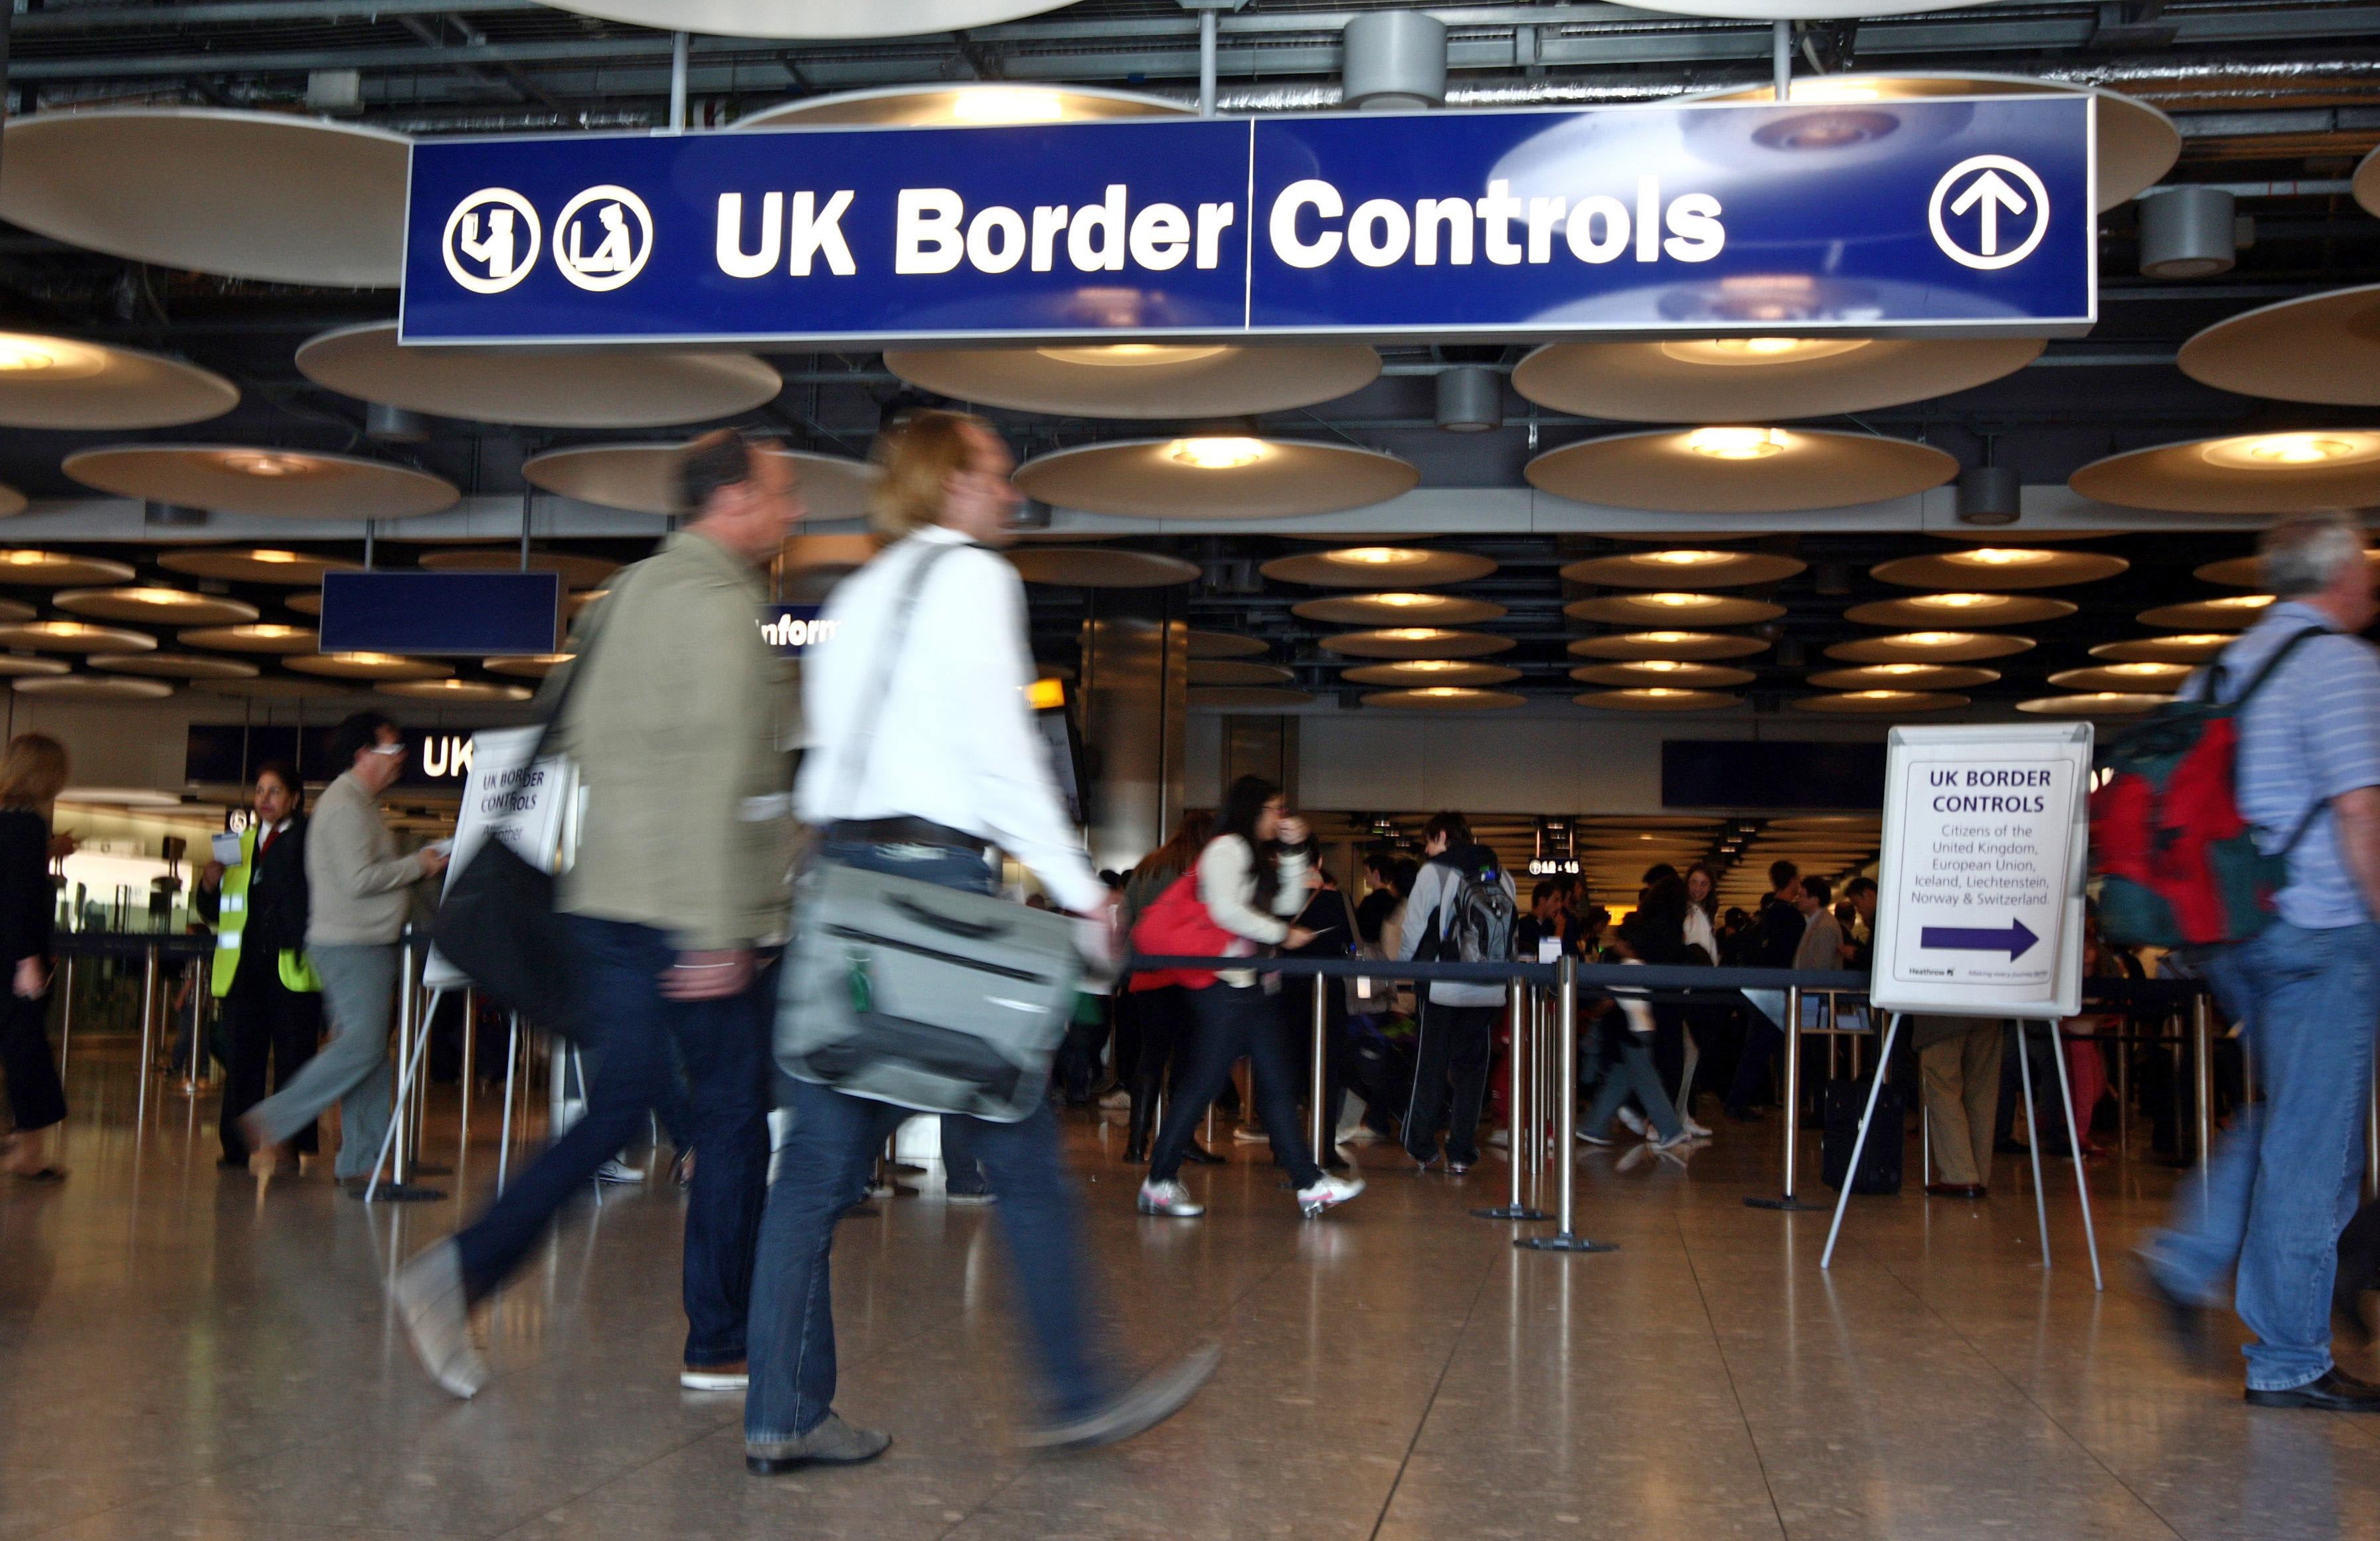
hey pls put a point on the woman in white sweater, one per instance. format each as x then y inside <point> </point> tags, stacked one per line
<point>1251,879</point>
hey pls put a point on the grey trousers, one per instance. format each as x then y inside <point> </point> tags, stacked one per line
<point>1961,1076</point>
<point>359,989</point>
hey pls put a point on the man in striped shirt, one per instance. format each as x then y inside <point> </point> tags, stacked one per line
<point>2283,1184</point>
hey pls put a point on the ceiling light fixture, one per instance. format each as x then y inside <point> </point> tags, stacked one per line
<point>1959,601</point>
<point>1759,350</point>
<point>1129,355</point>
<point>2240,602</point>
<point>1215,454</point>
<point>1378,556</point>
<point>1739,444</point>
<point>1683,558</point>
<point>1937,638</point>
<point>2001,556</point>
<point>1414,634</point>
<point>2264,452</point>
<point>263,463</point>
<point>50,358</point>
<point>1683,601</point>
<point>1408,602</point>
<point>1007,104</point>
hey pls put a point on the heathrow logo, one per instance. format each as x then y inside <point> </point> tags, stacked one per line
<point>602,240</point>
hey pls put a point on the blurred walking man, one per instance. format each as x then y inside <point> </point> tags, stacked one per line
<point>2282,1185</point>
<point>678,729</point>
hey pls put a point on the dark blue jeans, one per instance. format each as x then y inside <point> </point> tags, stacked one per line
<point>723,1046</point>
<point>825,1161</point>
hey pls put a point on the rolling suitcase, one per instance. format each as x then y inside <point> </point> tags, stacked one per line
<point>1880,1162</point>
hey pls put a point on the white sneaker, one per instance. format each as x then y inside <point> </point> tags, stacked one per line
<point>617,1170</point>
<point>1327,1193</point>
<point>1171,1200</point>
<point>1633,1121</point>
<point>1683,1136</point>
<point>715,1377</point>
<point>1362,1133</point>
<point>1246,1135</point>
<point>1585,1138</point>
<point>1697,1130</point>
<point>1116,1100</point>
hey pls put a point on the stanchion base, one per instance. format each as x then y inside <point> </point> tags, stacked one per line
<point>401,1192</point>
<point>1565,1242</point>
<point>426,1169</point>
<point>1512,1212</point>
<point>1788,1204</point>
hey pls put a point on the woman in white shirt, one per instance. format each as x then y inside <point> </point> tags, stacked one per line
<point>1249,885</point>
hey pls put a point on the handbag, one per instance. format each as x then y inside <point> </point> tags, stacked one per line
<point>499,921</point>
<point>1178,926</point>
<point>907,992</point>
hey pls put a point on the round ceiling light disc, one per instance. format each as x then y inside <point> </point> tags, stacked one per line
<point>809,18</point>
<point>270,196</point>
<point>1930,647</point>
<point>12,610</point>
<point>175,666</point>
<point>2134,146</point>
<point>642,478</point>
<point>307,605</point>
<point>1419,672</point>
<point>277,687</point>
<point>1207,671</point>
<point>1444,697</point>
<point>368,666</point>
<point>270,636</point>
<point>1904,676</point>
<point>2123,678</point>
<point>2367,183</point>
<point>1885,700</point>
<point>1100,567</point>
<point>58,382</point>
<point>971,105</point>
<point>1694,567</point>
<point>1961,608</point>
<point>577,571</point>
<point>2250,473</point>
<point>2244,572</point>
<point>1990,568</point>
<point>467,692</point>
<point>257,565</point>
<point>1689,646</point>
<point>34,569</point>
<point>1214,477</point>
<point>1755,379</point>
<point>530,666</point>
<point>1740,470</point>
<point>1663,671</point>
<point>539,388</point>
<point>1224,644</point>
<point>1141,380</point>
<point>271,483</point>
<point>1399,567</point>
<point>74,637</point>
<point>1657,698</point>
<point>158,607</point>
<point>91,687</point>
<point>2321,348</point>
<point>2187,649</point>
<point>1393,609</point>
<point>2228,613</point>
<point>14,665</point>
<point>2097,703</point>
<point>1671,607</point>
<point>1422,642</point>
<point>1244,698</point>
<point>2019,534</point>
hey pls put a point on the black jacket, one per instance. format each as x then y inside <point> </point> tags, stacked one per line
<point>1776,934</point>
<point>27,898</point>
<point>277,898</point>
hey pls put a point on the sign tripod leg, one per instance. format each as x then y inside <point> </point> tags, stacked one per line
<point>2033,1138</point>
<point>1859,1144</point>
<point>512,1078</point>
<point>2073,1144</point>
<point>406,1069</point>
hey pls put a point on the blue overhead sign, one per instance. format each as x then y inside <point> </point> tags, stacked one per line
<point>1941,216</point>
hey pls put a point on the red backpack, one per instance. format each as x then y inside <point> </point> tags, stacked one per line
<point>2176,862</point>
<point>1177,926</point>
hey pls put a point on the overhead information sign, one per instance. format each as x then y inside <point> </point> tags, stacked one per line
<point>1979,902</point>
<point>1945,216</point>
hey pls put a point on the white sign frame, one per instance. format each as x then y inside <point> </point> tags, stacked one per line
<point>497,805</point>
<point>2059,842</point>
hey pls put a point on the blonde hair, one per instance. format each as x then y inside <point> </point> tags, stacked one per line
<point>33,772</point>
<point>920,455</point>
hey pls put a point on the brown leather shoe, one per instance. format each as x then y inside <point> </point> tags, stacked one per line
<point>1955,1190</point>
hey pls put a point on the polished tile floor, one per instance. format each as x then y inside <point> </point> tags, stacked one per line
<point>186,1353</point>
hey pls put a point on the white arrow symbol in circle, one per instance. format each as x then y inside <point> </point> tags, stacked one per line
<point>2004,185</point>
<point>1993,194</point>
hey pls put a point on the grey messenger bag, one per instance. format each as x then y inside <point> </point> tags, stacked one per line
<point>911,993</point>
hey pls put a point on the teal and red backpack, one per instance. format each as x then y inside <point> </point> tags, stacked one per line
<point>2177,864</point>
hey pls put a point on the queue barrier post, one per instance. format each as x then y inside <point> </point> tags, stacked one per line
<point>1793,1104</point>
<point>1567,1239</point>
<point>65,1024</point>
<point>2202,1053</point>
<point>1319,1081</point>
<point>147,1030</point>
<point>1518,1116</point>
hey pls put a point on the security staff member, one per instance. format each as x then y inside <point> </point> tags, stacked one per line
<point>271,1001</point>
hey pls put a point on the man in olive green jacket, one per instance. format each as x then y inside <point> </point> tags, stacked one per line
<point>679,726</point>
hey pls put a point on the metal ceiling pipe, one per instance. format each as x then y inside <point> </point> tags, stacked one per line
<point>1395,60</point>
<point>1470,399</point>
<point>2188,232</point>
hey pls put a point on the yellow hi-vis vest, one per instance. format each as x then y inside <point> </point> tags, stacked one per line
<point>297,969</point>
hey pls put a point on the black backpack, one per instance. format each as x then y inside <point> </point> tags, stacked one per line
<point>1478,917</point>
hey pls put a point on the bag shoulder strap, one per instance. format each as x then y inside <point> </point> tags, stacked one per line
<point>858,749</point>
<point>2256,683</point>
<point>579,666</point>
<point>2240,706</point>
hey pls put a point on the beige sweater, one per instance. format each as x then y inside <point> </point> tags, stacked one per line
<point>359,888</point>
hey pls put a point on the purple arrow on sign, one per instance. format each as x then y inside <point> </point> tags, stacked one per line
<point>2018,939</point>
